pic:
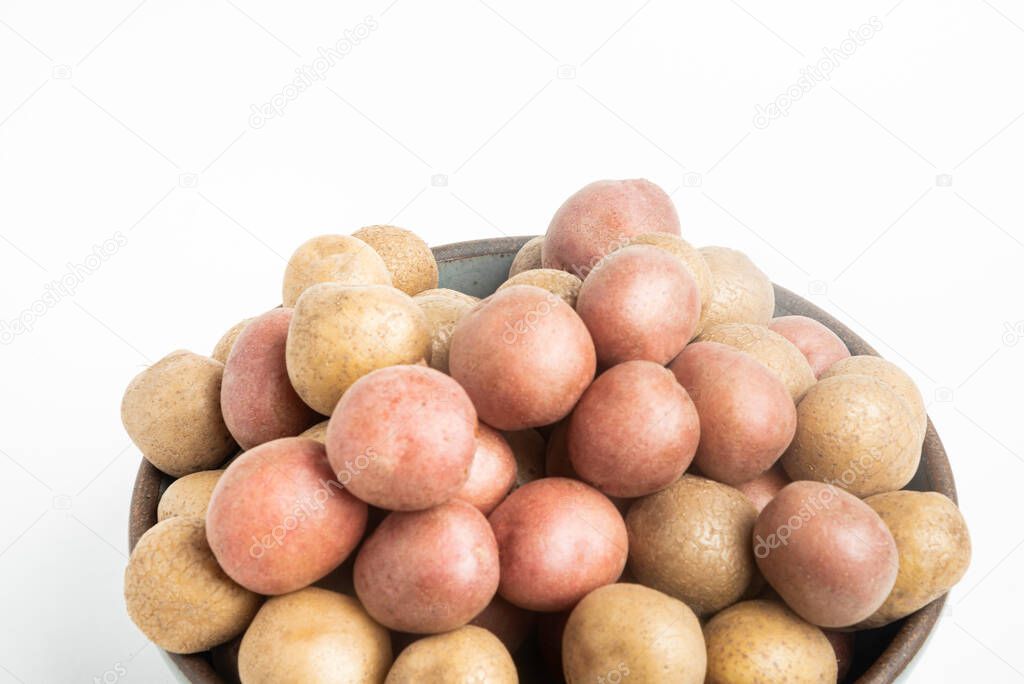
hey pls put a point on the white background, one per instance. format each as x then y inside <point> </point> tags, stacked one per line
<point>888,194</point>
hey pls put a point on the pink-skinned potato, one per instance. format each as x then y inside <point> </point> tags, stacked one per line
<point>819,345</point>
<point>765,486</point>
<point>493,472</point>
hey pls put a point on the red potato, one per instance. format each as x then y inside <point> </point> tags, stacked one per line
<point>819,345</point>
<point>601,217</point>
<point>523,356</point>
<point>402,438</point>
<point>278,520</point>
<point>747,417</point>
<point>493,472</point>
<point>256,396</point>
<point>428,571</point>
<point>634,431</point>
<point>559,539</point>
<point>509,623</point>
<point>827,553</point>
<point>642,303</point>
<point>843,646</point>
<point>765,486</point>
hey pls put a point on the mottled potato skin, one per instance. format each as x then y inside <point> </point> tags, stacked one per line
<point>178,595</point>
<point>934,549</point>
<point>428,571</point>
<point>560,283</point>
<point>509,623</point>
<point>688,254</point>
<point>408,258</point>
<point>340,259</point>
<point>313,635</point>
<point>188,495</point>
<point>559,539</point>
<point>770,348</point>
<point>172,413</point>
<point>692,542</point>
<point>742,293</point>
<point>890,374</point>
<point>642,303</point>
<point>227,341</point>
<point>763,641</point>
<point>636,633</point>
<point>442,313</point>
<point>528,256</point>
<point>855,432</point>
<point>828,555</point>
<point>493,472</point>
<point>529,448</point>
<point>819,345</point>
<point>278,520</point>
<point>339,334</point>
<point>634,431</point>
<point>601,217</point>
<point>256,395</point>
<point>523,356</point>
<point>765,486</point>
<point>469,654</point>
<point>402,438</point>
<point>747,417</point>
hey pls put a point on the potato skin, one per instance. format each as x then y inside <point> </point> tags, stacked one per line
<point>560,283</point>
<point>747,417</point>
<point>402,438</point>
<point>765,486</point>
<point>819,345</point>
<point>339,259</point>
<point>313,635</point>
<point>447,292</point>
<point>171,411</point>
<point>275,534</point>
<point>634,431</point>
<point>890,374</point>
<point>442,313</point>
<point>188,495</point>
<point>407,257</point>
<point>635,633</point>
<point>177,594</point>
<point>826,552</point>
<point>256,396</point>
<point>777,353</point>
<point>642,303</point>
<point>559,539</point>
<point>227,341</point>
<point>934,550</point>
<point>763,641</point>
<point>317,432</point>
<point>492,473</point>
<point>688,254</point>
<point>742,292</point>
<point>511,624</point>
<point>523,356</point>
<point>528,256</point>
<point>601,217</point>
<point>468,654</point>
<point>428,571</point>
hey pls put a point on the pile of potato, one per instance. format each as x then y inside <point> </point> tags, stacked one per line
<point>620,458</point>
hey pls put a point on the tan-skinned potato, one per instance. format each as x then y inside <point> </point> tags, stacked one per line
<point>408,258</point>
<point>469,654</point>
<point>777,353</point>
<point>742,292</point>
<point>528,257</point>
<point>819,345</point>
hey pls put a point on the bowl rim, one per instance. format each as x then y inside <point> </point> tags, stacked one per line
<point>906,643</point>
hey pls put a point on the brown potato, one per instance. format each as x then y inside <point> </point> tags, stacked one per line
<point>843,647</point>
<point>528,256</point>
<point>511,624</point>
<point>688,254</point>
<point>934,550</point>
<point>765,486</point>
<point>763,641</point>
<point>747,417</point>
<point>178,595</point>
<point>692,542</point>
<point>855,432</point>
<point>770,348</point>
<point>890,374</point>
<point>428,571</point>
<point>227,341</point>
<point>560,283</point>
<point>442,313</point>
<point>492,473</point>
<point>314,635</point>
<point>529,448</point>
<point>188,495</point>
<point>634,431</point>
<point>339,334</point>
<point>523,356</point>
<point>819,345</point>
<point>446,292</point>
<point>828,555</point>
<point>408,258</point>
<point>642,303</point>
<point>171,411</point>
<point>469,654</point>
<point>742,293</point>
<point>559,539</point>
<point>317,432</point>
<point>339,259</point>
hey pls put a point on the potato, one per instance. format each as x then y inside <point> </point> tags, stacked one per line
<point>819,345</point>
<point>828,555</point>
<point>634,431</point>
<point>770,348</point>
<point>442,313</point>
<point>890,374</point>
<point>492,473</point>
<point>855,432</point>
<point>765,486</point>
<point>339,259</point>
<point>559,539</point>
<point>314,635</point>
<point>529,447</point>
<point>402,438</point>
<point>523,356</point>
<point>278,521</point>
<point>642,303</point>
<point>171,412</point>
<point>687,253</point>
<point>626,632</point>
<point>428,571</point>
<point>842,645</point>
<point>227,341</point>
<point>188,495</point>
<point>317,432</point>
<point>511,624</point>
<point>934,550</point>
<point>601,217</point>
<point>446,292</point>
<point>339,334</point>
<point>747,417</point>
<point>256,396</point>
<point>742,293</point>
<point>692,542</point>
<point>469,654</point>
<point>560,283</point>
<point>528,256</point>
<point>408,258</point>
<point>178,595</point>
<point>763,641</point>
